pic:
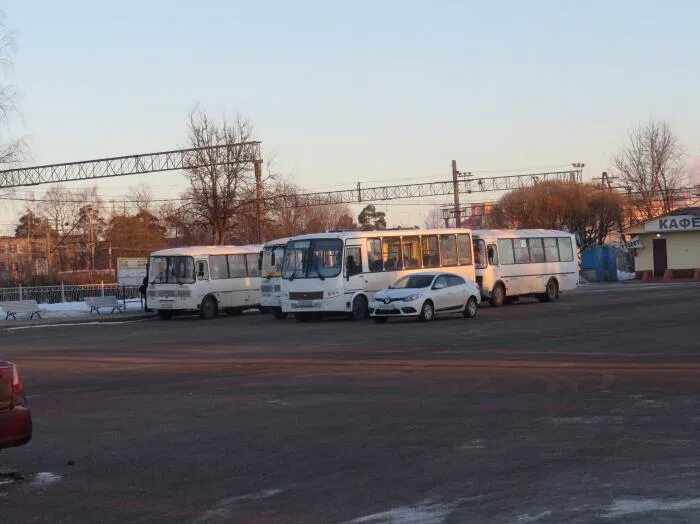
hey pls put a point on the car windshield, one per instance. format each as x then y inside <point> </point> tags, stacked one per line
<point>319,258</point>
<point>413,282</point>
<point>171,270</point>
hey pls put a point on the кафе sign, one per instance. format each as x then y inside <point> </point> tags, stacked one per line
<point>673,223</point>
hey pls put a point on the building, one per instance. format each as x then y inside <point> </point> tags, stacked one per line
<point>667,246</point>
<point>20,260</point>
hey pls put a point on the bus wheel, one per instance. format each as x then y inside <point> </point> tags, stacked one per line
<point>278,313</point>
<point>165,315</point>
<point>471,308</point>
<point>359,309</point>
<point>551,291</point>
<point>302,317</point>
<point>498,295</point>
<point>427,312</point>
<point>209,309</point>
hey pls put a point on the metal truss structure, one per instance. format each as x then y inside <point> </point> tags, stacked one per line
<point>244,152</point>
<point>428,189</point>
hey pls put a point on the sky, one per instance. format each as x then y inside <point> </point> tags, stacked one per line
<point>340,93</point>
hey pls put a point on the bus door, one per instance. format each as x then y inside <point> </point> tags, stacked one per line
<point>354,277</point>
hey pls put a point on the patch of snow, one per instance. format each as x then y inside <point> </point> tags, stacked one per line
<point>631,506</point>
<point>533,518</point>
<point>422,513</point>
<point>75,309</point>
<point>44,478</point>
<point>624,275</point>
<point>224,510</point>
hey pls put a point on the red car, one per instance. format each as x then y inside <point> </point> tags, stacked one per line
<point>15,416</point>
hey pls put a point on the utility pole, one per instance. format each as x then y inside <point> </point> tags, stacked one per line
<point>455,182</point>
<point>259,203</point>
<point>48,246</point>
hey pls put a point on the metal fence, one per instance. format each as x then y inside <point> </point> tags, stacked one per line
<point>66,293</point>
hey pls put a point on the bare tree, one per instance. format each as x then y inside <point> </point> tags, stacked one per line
<point>142,197</point>
<point>651,166</point>
<point>223,193</point>
<point>434,219</point>
<point>11,150</point>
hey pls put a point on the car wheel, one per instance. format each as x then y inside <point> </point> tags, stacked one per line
<point>427,312</point>
<point>471,308</point>
<point>498,294</point>
<point>278,313</point>
<point>359,308</point>
<point>165,315</point>
<point>380,320</point>
<point>209,308</point>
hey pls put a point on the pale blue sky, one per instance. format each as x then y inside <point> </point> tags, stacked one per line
<point>368,91</point>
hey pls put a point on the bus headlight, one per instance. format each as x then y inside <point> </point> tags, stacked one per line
<point>332,293</point>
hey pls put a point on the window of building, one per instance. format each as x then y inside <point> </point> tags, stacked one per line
<point>374,255</point>
<point>411,252</point>
<point>236,266</point>
<point>391,253</point>
<point>536,250</point>
<point>431,252</point>
<point>566,253</point>
<point>218,267</point>
<point>448,250</point>
<point>551,252</point>
<point>505,249</point>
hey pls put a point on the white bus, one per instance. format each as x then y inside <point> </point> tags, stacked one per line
<point>524,262</point>
<point>271,286</point>
<point>204,279</point>
<point>341,272</point>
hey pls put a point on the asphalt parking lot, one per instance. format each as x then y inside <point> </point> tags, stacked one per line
<point>583,410</point>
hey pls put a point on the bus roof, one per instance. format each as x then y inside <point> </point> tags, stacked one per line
<point>383,233</point>
<point>278,242</point>
<point>520,233</point>
<point>207,250</point>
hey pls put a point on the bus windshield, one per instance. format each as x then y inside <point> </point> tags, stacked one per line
<point>413,282</point>
<point>273,257</point>
<point>319,258</point>
<point>171,270</point>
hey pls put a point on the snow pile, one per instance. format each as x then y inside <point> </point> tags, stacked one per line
<point>623,275</point>
<point>74,309</point>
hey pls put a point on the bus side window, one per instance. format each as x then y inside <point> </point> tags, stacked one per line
<point>202,270</point>
<point>492,254</point>
<point>431,252</point>
<point>505,249</point>
<point>374,254</point>
<point>391,252</point>
<point>253,263</point>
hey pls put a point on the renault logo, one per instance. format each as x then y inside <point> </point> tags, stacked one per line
<point>387,300</point>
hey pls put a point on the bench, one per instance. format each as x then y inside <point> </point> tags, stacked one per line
<point>96,303</point>
<point>21,306</point>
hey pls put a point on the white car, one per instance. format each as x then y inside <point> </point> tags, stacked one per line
<point>425,295</point>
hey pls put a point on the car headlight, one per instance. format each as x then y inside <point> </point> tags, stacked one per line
<point>411,298</point>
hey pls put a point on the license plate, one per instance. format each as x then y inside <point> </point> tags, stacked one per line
<point>302,304</point>
<point>385,306</point>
